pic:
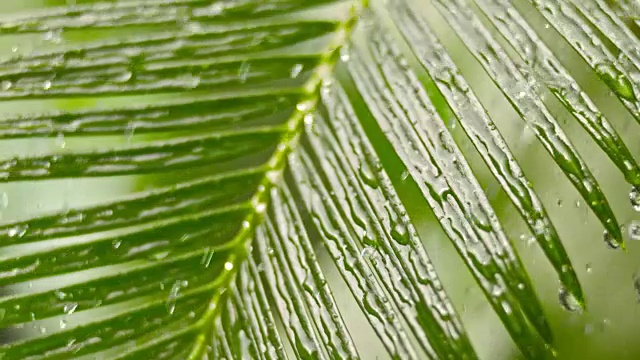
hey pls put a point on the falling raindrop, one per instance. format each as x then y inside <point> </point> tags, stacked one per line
<point>308,122</point>
<point>60,141</point>
<point>207,257</point>
<point>173,295</point>
<point>296,70</point>
<point>568,301</point>
<point>70,308</point>
<point>5,200</point>
<point>243,72</point>
<point>634,197</point>
<point>634,230</point>
<point>344,54</point>
<point>636,286</point>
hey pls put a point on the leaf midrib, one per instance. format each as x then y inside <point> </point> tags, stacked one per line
<point>276,164</point>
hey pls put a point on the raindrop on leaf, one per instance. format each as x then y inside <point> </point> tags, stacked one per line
<point>70,308</point>
<point>296,70</point>
<point>568,301</point>
<point>400,233</point>
<point>610,241</point>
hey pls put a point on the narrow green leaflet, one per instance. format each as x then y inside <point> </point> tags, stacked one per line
<point>373,230</point>
<point>212,113</point>
<point>487,140</point>
<point>287,236</point>
<point>172,13</point>
<point>620,76</point>
<point>525,99</point>
<point>547,67</point>
<point>446,181</point>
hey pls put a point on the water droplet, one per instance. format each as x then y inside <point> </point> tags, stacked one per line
<point>60,295</point>
<point>260,207</point>
<point>60,141</point>
<point>116,243</point>
<point>568,301</point>
<point>506,307</point>
<point>367,176</point>
<point>17,231</point>
<point>5,200</point>
<point>344,54</point>
<point>367,252</point>
<point>308,122</point>
<point>616,80</point>
<point>305,106</point>
<point>610,241</point>
<point>589,268</point>
<point>6,85</point>
<point>63,324</point>
<point>497,291</point>
<point>125,76</point>
<point>296,70</point>
<point>400,233</point>
<point>46,85</point>
<point>634,230</point>
<point>229,265</point>
<point>404,176</point>
<point>634,197</point>
<point>70,308</point>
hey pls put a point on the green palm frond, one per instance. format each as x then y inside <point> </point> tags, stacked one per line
<point>267,133</point>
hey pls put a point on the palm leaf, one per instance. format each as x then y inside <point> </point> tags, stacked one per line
<point>267,123</point>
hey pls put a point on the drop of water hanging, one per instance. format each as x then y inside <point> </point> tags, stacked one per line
<point>568,301</point>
